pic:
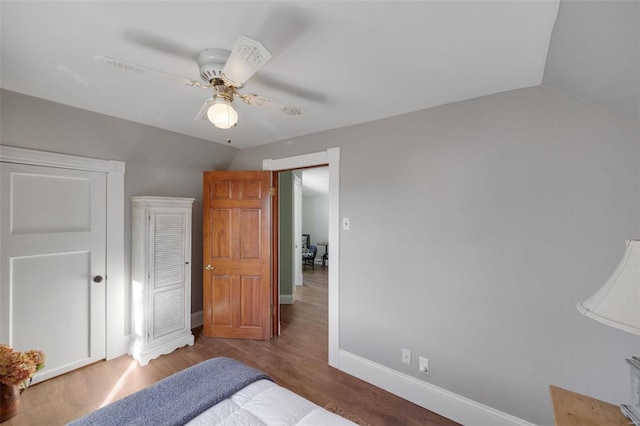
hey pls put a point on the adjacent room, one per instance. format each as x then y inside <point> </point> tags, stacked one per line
<point>371,212</point>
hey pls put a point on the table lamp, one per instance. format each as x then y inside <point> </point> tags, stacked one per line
<point>617,304</point>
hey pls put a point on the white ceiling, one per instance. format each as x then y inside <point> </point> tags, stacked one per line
<point>595,54</point>
<point>343,63</point>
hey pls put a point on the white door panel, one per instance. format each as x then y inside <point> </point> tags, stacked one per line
<point>44,204</point>
<point>54,290</point>
<point>53,241</point>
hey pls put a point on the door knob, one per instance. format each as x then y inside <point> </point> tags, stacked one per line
<point>97,279</point>
<point>209,267</point>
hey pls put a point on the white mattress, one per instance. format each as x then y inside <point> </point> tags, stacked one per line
<point>265,403</point>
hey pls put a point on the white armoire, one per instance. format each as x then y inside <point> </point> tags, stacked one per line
<point>161,276</point>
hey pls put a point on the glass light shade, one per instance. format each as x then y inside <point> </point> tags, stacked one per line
<point>617,303</point>
<point>222,114</point>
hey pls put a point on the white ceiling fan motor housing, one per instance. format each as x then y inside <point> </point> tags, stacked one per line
<point>211,61</point>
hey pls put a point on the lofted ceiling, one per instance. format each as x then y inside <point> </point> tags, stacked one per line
<point>342,63</point>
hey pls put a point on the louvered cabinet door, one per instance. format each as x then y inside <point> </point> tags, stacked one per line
<point>168,278</point>
<point>161,271</point>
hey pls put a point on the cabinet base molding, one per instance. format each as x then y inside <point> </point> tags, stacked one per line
<point>144,355</point>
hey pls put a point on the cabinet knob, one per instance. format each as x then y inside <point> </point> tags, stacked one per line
<point>97,279</point>
<point>209,267</point>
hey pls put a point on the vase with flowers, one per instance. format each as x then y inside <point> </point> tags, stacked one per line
<point>16,370</point>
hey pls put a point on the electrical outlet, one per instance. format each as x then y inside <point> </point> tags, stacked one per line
<point>423,365</point>
<point>406,356</point>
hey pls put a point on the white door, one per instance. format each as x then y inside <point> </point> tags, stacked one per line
<point>52,277</point>
<point>297,230</point>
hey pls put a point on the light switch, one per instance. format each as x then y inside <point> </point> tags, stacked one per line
<point>346,224</point>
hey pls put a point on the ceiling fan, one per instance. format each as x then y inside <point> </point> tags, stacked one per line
<point>225,72</point>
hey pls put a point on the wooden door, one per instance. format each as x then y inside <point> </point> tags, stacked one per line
<point>237,254</point>
<point>53,243</point>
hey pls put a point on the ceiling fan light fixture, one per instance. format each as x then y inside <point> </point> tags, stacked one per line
<point>222,114</point>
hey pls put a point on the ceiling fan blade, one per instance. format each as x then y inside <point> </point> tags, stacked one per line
<point>270,105</point>
<point>285,26</point>
<point>290,88</point>
<point>246,58</point>
<point>128,66</point>
<point>159,43</point>
<point>202,114</point>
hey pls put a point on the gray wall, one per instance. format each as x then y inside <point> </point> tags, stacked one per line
<point>315,219</point>
<point>285,198</point>
<point>159,162</point>
<point>476,227</point>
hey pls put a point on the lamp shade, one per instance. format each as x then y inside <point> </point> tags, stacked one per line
<point>222,114</point>
<point>617,303</point>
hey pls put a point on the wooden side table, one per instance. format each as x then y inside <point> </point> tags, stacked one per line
<point>325,256</point>
<point>574,409</point>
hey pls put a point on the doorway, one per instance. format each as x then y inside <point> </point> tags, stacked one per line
<point>303,203</point>
<point>330,157</point>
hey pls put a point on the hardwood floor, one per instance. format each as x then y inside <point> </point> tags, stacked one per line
<point>297,360</point>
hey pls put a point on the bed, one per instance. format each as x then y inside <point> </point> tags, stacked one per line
<point>220,391</point>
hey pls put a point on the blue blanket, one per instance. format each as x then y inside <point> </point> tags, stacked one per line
<point>178,398</point>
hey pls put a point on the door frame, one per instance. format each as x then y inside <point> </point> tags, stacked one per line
<point>297,230</point>
<point>331,157</point>
<point>117,342</point>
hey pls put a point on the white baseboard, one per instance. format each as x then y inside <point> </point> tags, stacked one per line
<point>197,319</point>
<point>448,404</point>
<point>286,299</point>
